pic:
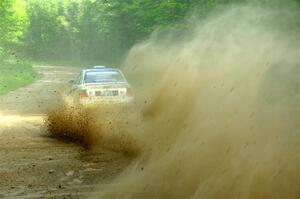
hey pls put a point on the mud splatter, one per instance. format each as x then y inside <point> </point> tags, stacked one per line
<point>71,124</point>
<point>102,126</point>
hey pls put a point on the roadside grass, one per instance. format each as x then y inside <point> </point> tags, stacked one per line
<point>15,74</point>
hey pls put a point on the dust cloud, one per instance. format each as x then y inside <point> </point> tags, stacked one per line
<point>220,109</point>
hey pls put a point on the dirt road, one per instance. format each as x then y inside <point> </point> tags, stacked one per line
<point>36,166</point>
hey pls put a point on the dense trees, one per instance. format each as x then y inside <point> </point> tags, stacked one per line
<point>13,23</point>
<point>99,30</point>
<point>95,30</point>
<point>91,30</point>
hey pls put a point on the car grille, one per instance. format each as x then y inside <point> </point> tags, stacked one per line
<point>107,93</point>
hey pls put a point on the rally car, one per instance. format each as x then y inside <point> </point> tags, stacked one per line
<point>101,85</point>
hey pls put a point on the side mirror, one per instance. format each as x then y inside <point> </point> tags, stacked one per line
<point>72,81</point>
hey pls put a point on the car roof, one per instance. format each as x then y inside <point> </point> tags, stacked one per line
<point>99,67</point>
<point>102,70</point>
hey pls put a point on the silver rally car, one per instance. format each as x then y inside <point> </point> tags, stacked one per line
<point>101,85</point>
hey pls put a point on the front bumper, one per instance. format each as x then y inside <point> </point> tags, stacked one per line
<point>91,101</point>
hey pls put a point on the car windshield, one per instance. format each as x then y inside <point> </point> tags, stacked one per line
<point>103,77</point>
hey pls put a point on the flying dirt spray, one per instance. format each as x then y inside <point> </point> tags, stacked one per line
<point>220,110</point>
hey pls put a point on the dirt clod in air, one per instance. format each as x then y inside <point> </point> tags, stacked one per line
<point>100,126</point>
<point>71,124</point>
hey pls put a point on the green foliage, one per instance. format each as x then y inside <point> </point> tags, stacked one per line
<point>13,23</point>
<point>12,20</point>
<point>94,31</point>
<point>14,72</point>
